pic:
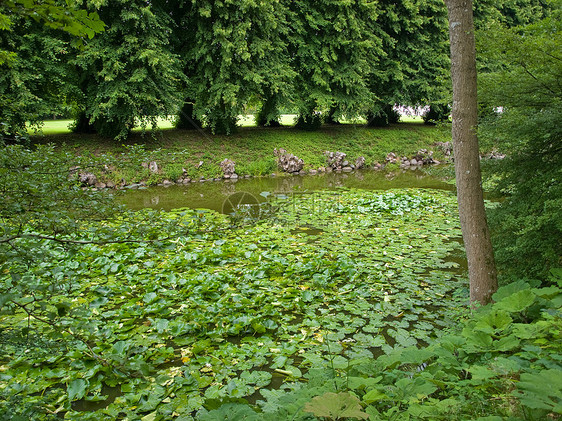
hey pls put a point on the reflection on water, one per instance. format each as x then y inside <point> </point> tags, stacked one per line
<point>212,195</point>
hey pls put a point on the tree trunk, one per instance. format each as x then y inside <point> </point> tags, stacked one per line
<point>475,232</point>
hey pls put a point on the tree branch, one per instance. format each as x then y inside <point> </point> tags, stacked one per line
<point>54,326</point>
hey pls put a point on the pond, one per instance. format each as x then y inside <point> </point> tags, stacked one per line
<point>215,195</point>
<point>230,312</point>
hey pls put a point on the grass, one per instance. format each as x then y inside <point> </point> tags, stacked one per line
<point>52,127</point>
<point>251,147</point>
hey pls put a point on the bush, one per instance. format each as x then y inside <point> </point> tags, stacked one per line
<point>437,113</point>
<point>527,226</point>
<point>385,116</point>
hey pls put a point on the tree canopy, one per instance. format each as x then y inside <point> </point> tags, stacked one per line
<point>213,61</point>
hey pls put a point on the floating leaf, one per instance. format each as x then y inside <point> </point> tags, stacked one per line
<point>335,406</point>
<point>76,389</point>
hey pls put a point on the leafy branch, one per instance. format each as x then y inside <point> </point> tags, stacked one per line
<point>57,328</point>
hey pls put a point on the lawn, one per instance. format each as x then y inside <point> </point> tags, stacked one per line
<point>198,153</point>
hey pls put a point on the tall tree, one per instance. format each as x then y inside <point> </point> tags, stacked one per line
<point>476,235</point>
<point>414,68</point>
<point>236,53</point>
<point>34,85</point>
<point>332,46</point>
<point>129,74</point>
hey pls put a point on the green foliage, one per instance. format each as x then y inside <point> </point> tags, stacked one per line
<point>336,406</point>
<point>510,13</point>
<point>383,117</point>
<point>216,312</point>
<point>526,226</point>
<point>128,74</point>
<point>332,47</point>
<point>236,53</point>
<point>33,86</point>
<point>501,363</point>
<point>269,113</point>
<point>414,68</point>
<point>437,113</point>
<point>66,17</point>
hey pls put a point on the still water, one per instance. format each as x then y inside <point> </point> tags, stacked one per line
<point>222,195</point>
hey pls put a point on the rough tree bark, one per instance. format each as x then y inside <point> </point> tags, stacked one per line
<point>475,232</point>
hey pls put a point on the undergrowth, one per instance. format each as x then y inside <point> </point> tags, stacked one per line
<point>502,363</point>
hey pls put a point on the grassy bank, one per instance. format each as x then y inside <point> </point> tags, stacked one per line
<point>251,148</point>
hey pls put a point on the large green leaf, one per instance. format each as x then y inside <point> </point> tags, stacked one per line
<point>336,406</point>
<point>77,389</point>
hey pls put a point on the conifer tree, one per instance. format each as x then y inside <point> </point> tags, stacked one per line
<point>236,54</point>
<point>128,74</point>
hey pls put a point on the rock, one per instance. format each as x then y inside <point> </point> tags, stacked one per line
<point>247,176</point>
<point>186,180</point>
<point>302,172</point>
<point>167,183</point>
<point>413,161</point>
<point>234,176</point>
<point>288,162</point>
<point>99,185</point>
<point>313,172</point>
<point>336,160</point>
<point>110,185</point>
<point>87,179</point>
<point>391,158</point>
<point>228,167</point>
<point>321,169</point>
<point>360,162</point>
<point>153,167</point>
<point>347,169</point>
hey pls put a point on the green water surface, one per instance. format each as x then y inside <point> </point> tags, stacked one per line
<point>222,195</point>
